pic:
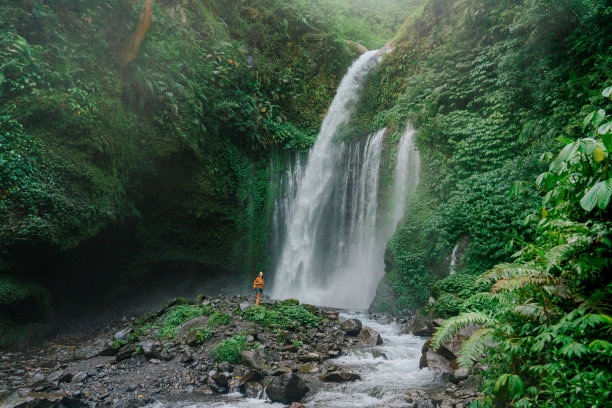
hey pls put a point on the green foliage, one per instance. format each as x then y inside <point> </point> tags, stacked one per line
<point>448,305</point>
<point>219,319</point>
<point>202,334</point>
<point>177,315</point>
<point>230,350</point>
<point>550,328</point>
<point>284,315</point>
<point>489,87</point>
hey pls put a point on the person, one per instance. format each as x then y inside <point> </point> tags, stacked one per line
<point>258,287</point>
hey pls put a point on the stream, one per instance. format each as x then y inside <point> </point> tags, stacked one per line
<point>387,372</point>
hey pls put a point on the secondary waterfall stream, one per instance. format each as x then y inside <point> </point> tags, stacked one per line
<point>331,226</point>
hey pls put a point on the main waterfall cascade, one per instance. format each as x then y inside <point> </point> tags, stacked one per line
<point>331,222</point>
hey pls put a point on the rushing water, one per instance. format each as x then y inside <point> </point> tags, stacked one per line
<point>386,371</point>
<point>331,223</point>
<point>407,172</point>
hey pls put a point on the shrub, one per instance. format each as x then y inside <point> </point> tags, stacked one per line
<point>448,305</point>
<point>202,334</point>
<point>219,319</point>
<point>282,315</point>
<point>230,350</point>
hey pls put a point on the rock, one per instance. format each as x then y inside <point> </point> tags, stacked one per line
<point>59,376</point>
<point>151,348</point>
<point>29,399</point>
<point>187,331</point>
<point>100,347</point>
<point>435,361</point>
<point>309,368</point>
<point>253,390</point>
<point>225,366</point>
<point>253,359</point>
<point>296,405</point>
<point>79,377</point>
<point>351,327</point>
<point>187,357</point>
<point>458,375</point>
<point>36,378</point>
<point>123,334</point>
<point>370,337</point>
<point>287,388</point>
<point>125,352</point>
<point>251,376</point>
<point>333,353</point>
<point>379,354</point>
<point>340,377</point>
<point>309,357</point>
<point>218,382</point>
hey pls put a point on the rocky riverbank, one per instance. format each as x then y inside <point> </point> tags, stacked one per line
<point>204,348</point>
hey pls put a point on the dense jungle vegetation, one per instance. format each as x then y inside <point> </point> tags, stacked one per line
<point>122,157</point>
<point>511,102</point>
<point>104,134</point>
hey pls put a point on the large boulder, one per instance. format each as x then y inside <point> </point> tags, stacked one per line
<point>287,388</point>
<point>253,359</point>
<point>123,334</point>
<point>340,377</point>
<point>436,361</point>
<point>151,349</point>
<point>351,327</point>
<point>370,337</point>
<point>187,332</point>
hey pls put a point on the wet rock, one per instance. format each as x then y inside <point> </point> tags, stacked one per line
<point>309,368</point>
<point>33,400</point>
<point>225,366</point>
<point>340,377</point>
<point>435,361</point>
<point>253,390</point>
<point>312,356</point>
<point>458,375</point>
<point>151,349</point>
<point>333,353</point>
<point>123,334</point>
<point>100,347</point>
<point>79,377</point>
<point>250,376</point>
<point>351,327</point>
<point>369,337</point>
<point>287,388</point>
<point>187,357</point>
<point>379,354</point>
<point>218,381</point>
<point>125,352</point>
<point>59,376</point>
<point>253,359</point>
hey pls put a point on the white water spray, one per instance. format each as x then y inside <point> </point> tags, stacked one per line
<point>407,172</point>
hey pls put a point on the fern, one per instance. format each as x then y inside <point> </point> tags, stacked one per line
<point>531,311</point>
<point>507,271</point>
<point>474,347</point>
<point>453,325</point>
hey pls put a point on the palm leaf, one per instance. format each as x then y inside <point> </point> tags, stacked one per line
<point>506,271</point>
<point>599,195</point>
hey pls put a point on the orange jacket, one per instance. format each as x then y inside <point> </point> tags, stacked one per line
<point>258,283</point>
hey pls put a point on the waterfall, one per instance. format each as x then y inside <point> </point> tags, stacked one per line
<point>407,171</point>
<point>453,260</point>
<point>333,236</point>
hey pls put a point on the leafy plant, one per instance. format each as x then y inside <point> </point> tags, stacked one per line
<point>230,350</point>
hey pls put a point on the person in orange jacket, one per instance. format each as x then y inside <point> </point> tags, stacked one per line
<point>258,287</point>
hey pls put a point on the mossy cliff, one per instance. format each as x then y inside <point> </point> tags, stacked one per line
<point>490,86</point>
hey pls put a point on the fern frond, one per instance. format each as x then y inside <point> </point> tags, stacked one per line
<point>453,325</point>
<point>531,311</point>
<point>474,347</point>
<point>506,270</point>
<point>508,285</point>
